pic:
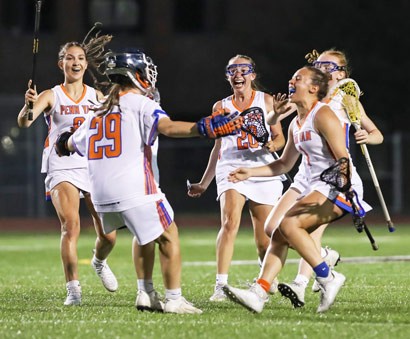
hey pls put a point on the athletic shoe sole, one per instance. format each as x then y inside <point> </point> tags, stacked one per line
<point>287,292</point>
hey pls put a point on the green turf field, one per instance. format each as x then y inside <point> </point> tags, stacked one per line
<point>374,303</point>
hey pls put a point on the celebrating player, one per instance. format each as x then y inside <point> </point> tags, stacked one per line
<point>334,63</point>
<point>117,140</point>
<point>66,106</point>
<point>239,150</point>
<point>317,135</point>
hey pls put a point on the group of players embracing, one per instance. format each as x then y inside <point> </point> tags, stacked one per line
<point>103,147</point>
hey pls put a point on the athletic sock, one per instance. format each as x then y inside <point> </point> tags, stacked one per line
<point>74,284</point>
<point>221,279</point>
<point>173,294</point>
<point>98,261</point>
<point>321,270</point>
<point>264,284</point>
<point>145,285</point>
<point>301,280</point>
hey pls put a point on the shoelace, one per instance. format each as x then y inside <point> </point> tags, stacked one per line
<point>99,267</point>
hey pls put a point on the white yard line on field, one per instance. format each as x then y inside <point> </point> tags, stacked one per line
<point>344,260</point>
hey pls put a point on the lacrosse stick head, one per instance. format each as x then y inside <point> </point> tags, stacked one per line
<point>338,175</point>
<point>348,92</point>
<point>254,124</point>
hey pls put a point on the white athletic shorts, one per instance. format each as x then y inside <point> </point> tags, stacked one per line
<point>78,177</point>
<point>147,222</point>
<point>265,192</point>
<point>300,182</point>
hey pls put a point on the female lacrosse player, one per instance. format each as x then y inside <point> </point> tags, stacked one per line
<point>66,106</point>
<point>335,64</point>
<point>238,150</point>
<point>316,134</point>
<point>117,141</point>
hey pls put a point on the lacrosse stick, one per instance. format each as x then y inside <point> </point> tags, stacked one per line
<point>35,52</point>
<point>350,93</point>
<point>254,124</point>
<point>338,175</point>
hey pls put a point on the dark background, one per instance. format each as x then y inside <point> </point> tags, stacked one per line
<point>191,42</point>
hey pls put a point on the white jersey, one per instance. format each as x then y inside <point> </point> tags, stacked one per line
<point>119,150</point>
<point>242,150</point>
<point>65,113</point>
<point>316,157</point>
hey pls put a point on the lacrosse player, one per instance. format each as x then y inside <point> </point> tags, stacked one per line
<point>239,150</point>
<point>316,134</point>
<point>116,139</point>
<point>335,64</point>
<point>66,106</point>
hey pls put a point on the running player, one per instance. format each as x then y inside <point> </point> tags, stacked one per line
<point>65,107</point>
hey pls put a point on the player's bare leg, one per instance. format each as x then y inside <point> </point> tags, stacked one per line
<point>104,244</point>
<point>144,258</point>
<point>231,203</point>
<point>171,267</point>
<point>66,200</point>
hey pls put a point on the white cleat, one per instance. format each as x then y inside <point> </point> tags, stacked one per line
<point>329,290</point>
<point>295,292</point>
<point>331,258</point>
<point>149,301</point>
<point>219,294</point>
<point>108,278</point>
<point>253,299</point>
<point>73,296</point>
<point>180,306</point>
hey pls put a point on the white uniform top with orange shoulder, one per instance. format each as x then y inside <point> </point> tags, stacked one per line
<point>242,150</point>
<point>65,113</point>
<point>335,103</point>
<point>118,148</point>
<point>316,157</point>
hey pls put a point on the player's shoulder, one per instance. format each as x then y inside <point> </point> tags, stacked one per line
<point>217,105</point>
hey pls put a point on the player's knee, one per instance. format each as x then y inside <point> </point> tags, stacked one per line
<point>287,226</point>
<point>230,224</point>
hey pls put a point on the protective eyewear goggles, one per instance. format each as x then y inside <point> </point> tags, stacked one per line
<point>245,69</point>
<point>328,66</point>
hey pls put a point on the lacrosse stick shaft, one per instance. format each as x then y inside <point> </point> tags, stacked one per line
<point>369,235</point>
<point>35,51</point>
<point>288,178</point>
<point>366,155</point>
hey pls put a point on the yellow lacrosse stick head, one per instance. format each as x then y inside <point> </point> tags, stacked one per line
<point>350,99</point>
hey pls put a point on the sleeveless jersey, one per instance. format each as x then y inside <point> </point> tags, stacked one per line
<point>335,103</point>
<point>316,155</point>
<point>65,113</point>
<point>121,152</point>
<point>242,150</point>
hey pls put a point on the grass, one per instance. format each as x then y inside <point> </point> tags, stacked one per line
<point>374,303</point>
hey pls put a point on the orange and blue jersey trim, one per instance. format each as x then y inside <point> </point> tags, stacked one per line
<point>153,133</point>
<point>163,214</point>
<point>150,186</point>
